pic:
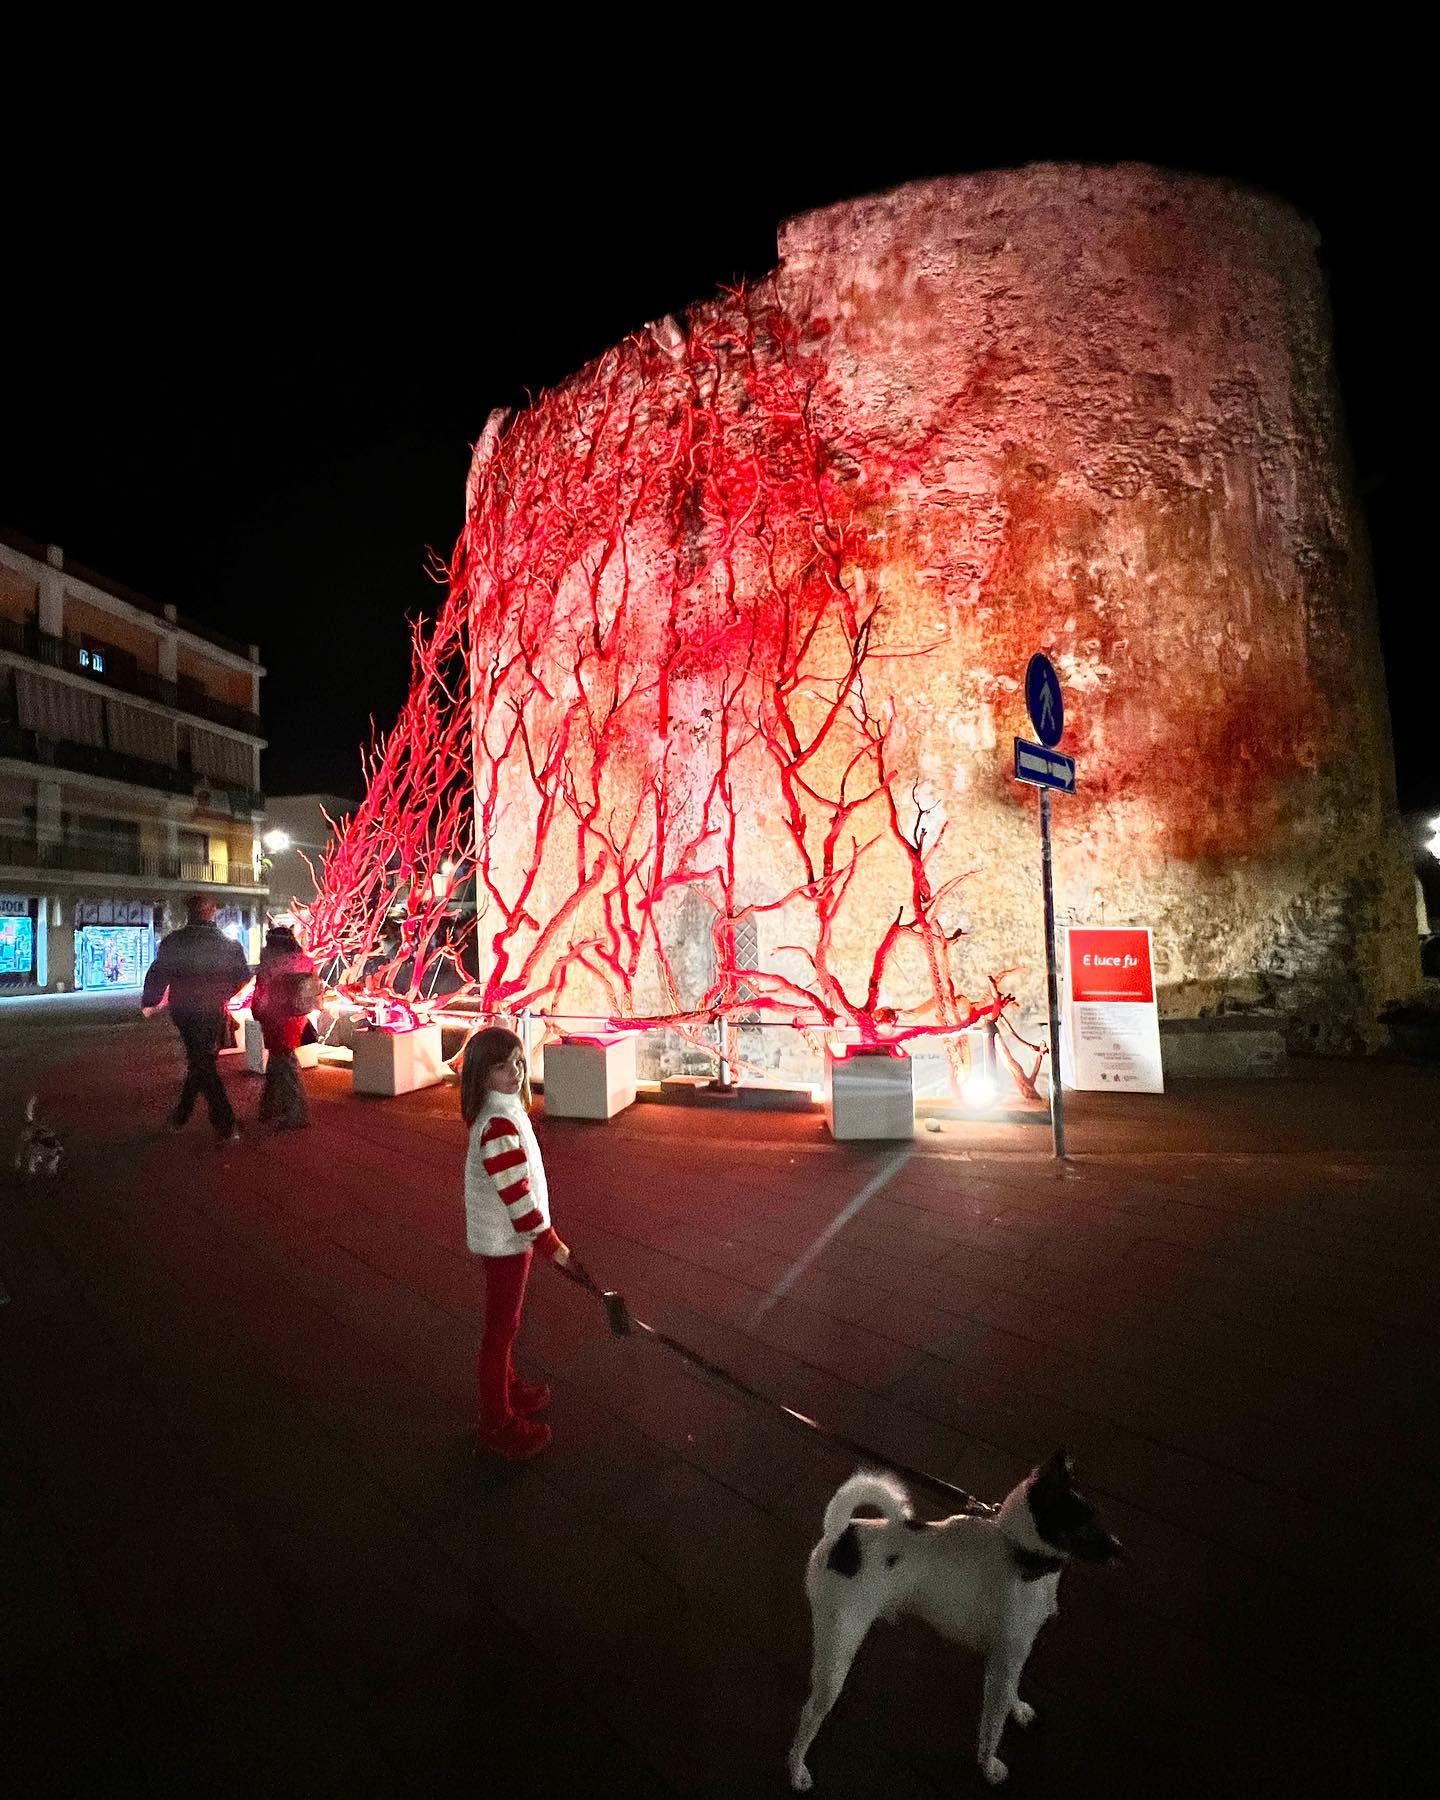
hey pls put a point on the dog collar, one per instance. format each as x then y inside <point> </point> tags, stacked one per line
<point>1032,1564</point>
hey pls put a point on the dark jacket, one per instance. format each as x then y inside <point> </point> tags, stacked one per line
<point>275,1001</point>
<point>200,966</point>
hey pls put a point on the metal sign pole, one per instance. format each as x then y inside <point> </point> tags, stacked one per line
<point>1057,1097</point>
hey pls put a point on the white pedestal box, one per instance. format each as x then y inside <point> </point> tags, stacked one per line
<point>397,1062</point>
<point>256,1057</point>
<point>869,1095</point>
<point>589,1078</point>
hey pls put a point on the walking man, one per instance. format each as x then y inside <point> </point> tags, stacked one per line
<point>200,968</point>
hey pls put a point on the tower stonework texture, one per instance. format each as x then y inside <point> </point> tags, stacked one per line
<point>733,650</point>
<point>1094,411</point>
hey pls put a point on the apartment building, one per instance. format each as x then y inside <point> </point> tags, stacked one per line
<point>129,775</point>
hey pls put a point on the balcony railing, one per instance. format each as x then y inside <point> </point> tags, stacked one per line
<point>117,859</point>
<point>114,765</point>
<point>121,675</point>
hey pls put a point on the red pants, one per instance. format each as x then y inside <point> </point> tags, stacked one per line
<point>505,1278</point>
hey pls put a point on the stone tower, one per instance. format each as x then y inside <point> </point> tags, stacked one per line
<point>740,614</point>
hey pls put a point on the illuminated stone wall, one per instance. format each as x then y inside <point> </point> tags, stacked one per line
<point>1094,411</point>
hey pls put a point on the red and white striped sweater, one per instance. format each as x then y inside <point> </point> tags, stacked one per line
<point>507,1204</point>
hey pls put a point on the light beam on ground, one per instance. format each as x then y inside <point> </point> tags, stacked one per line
<point>881,1179</point>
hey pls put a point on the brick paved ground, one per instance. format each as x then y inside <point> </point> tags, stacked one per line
<point>245,1548</point>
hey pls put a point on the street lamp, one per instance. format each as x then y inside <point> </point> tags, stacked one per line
<point>276,841</point>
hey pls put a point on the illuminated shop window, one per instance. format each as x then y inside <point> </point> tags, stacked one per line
<point>17,946</point>
<point>110,956</point>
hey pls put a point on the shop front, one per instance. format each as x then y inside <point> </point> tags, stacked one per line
<point>20,943</point>
<point>114,943</point>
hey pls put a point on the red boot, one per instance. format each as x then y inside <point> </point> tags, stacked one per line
<point>529,1397</point>
<point>517,1440</point>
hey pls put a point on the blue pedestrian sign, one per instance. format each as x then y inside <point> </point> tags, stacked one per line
<point>1044,768</point>
<point>1043,701</point>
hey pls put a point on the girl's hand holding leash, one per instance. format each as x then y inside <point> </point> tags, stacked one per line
<point>617,1313</point>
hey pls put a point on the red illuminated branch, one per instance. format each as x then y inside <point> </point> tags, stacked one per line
<point>649,653</point>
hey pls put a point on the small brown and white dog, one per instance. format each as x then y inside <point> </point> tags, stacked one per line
<point>988,1580</point>
<point>40,1149</point>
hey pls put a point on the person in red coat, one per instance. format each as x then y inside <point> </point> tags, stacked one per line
<point>277,1007</point>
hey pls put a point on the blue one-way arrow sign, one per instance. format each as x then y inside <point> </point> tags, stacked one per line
<point>1044,768</point>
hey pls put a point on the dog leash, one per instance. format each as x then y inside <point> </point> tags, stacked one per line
<point>623,1322</point>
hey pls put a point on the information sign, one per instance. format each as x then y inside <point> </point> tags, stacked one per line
<point>1110,1026</point>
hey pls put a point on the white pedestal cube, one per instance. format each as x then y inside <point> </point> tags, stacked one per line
<point>589,1078</point>
<point>869,1095</point>
<point>397,1062</point>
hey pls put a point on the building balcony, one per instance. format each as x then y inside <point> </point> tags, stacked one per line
<point>114,765</point>
<point>110,859</point>
<point>118,673</point>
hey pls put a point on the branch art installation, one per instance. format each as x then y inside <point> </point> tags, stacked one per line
<point>654,723</point>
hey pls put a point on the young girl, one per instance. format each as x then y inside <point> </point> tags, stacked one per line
<point>507,1216</point>
<point>276,1007</point>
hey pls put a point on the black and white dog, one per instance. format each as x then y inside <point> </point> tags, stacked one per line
<point>988,1580</point>
<point>40,1149</point>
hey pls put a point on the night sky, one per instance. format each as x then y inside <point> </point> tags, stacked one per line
<point>260,407</point>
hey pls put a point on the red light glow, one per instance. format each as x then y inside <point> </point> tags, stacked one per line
<point>658,678</point>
